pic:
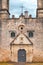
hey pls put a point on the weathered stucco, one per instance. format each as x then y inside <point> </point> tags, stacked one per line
<point>33,45</point>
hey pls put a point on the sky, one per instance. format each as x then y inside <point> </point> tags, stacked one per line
<point>29,5</point>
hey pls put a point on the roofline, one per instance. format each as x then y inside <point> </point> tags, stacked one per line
<point>26,37</point>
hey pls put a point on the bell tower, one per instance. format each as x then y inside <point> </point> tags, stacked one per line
<point>4,8</point>
<point>40,8</point>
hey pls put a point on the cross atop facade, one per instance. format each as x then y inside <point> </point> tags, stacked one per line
<point>22,7</point>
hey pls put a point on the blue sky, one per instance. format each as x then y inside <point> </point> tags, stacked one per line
<point>29,5</point>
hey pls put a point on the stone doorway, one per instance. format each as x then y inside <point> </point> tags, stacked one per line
<point>21,55</point>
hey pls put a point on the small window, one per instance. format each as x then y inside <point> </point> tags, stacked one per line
<point>21,28</point>
<point>31,34</point>
<point>12,34</point>
<point>0,24</point>
<point>8,4</point>
<point>0,4</point>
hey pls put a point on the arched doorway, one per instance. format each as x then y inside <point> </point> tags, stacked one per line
<point>21,55</point>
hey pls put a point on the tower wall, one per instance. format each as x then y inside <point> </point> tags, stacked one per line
<point>5,4</point>
<point>4,9</point>
<point>40,3</point>
<point>40,8</point>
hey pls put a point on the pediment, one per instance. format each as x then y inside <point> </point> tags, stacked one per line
<point>21,39</point>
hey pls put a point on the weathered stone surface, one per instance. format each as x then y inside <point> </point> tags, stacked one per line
<point>9,46</point>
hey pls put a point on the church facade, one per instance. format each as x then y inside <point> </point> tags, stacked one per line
<point>21,39</point>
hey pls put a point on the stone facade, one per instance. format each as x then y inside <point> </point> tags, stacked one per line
<point>23,33</point>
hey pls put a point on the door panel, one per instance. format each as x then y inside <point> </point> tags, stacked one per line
<point>21,55</point>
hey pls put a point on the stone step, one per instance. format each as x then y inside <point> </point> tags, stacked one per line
<point>20,63</point>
